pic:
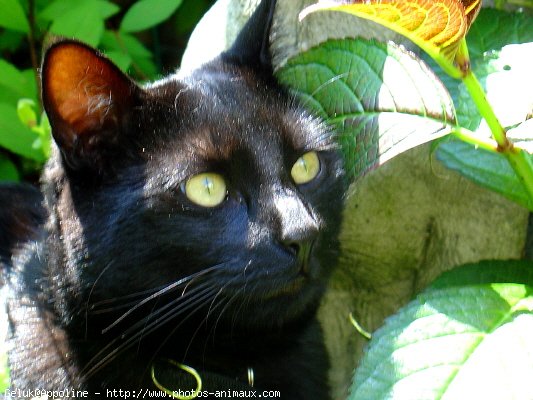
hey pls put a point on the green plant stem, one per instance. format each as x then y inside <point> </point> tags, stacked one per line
<point>468,136</point>
<point>522,165</point>
<point>519,159</point>
<point>478,95</point>
<point>33,52</point>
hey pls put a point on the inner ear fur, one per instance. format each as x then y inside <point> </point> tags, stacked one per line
<point>86,97</point>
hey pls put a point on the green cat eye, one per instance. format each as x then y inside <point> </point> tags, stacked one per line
<point>306,168</point>
<point>207,189</point>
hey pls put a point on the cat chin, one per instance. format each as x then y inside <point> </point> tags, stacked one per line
<point>277,306</point>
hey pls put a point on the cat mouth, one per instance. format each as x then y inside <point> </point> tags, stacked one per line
<point>304,269</point>
<point>304,258</point>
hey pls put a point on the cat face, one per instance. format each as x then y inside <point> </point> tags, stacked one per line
<point>211,194</point>
<point>215,184</point>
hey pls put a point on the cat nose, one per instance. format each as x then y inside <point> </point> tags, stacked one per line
<point>298,226</point>
<point>300,242</point>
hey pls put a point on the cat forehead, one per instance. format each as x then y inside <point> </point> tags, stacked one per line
<point>219,113</point>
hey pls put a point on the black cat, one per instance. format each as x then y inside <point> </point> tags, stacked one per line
<point>190,222</point>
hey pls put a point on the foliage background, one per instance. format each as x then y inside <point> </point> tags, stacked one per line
<point>146,38</point>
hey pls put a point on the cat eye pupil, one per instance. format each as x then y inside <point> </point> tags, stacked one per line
<point>207,189</point>
<point>303,164</point>
<point>306,168</point>
<point>208,183</point>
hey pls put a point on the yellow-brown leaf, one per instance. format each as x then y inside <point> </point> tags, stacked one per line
<point>436,26</point>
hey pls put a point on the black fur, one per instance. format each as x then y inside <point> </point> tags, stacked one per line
<point>127,272</point>
<point>20,218</point>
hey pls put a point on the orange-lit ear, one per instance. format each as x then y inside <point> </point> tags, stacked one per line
<point>85,96</point>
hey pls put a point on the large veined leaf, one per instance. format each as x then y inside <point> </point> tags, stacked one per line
<point>435,26</point>
<point>466,337</point>
<point>381,99</point>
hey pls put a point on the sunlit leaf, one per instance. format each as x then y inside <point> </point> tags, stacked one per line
<point>466,337</point>
<point>26,112</point>
<point>435,26</point>
<point>522,135</point>
<point>380,98</point>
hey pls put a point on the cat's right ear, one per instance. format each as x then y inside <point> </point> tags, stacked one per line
<point>251,47</point>
<point>87,100</point>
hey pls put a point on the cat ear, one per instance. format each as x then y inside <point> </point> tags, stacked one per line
<point>251,47</point>
<point>87,100</point>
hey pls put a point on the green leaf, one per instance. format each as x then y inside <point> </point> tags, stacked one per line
<point>44,130</point>
<point>486,168</point>
<point>126,43</point>
<point>381,99</point>
<point>26,112</point>
<point>127,51</point>
<point>486,35</point>
<point>12,16</point>
<point>147,13</point>
<point>19,83</point>
<point>16,137</point>
<point>58,8</point>
<point>83,22</point>
<point>469,341</point>
<point>147,68</point>
<point>8,172</point>
<point>122,60</point>
<point>487,272</point>
<point>11,40</point>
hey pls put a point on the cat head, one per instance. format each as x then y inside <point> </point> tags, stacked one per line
<point>217,186</point>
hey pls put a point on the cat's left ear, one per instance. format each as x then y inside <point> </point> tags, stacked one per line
<point>252,45</point>
<point>87,100</point>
